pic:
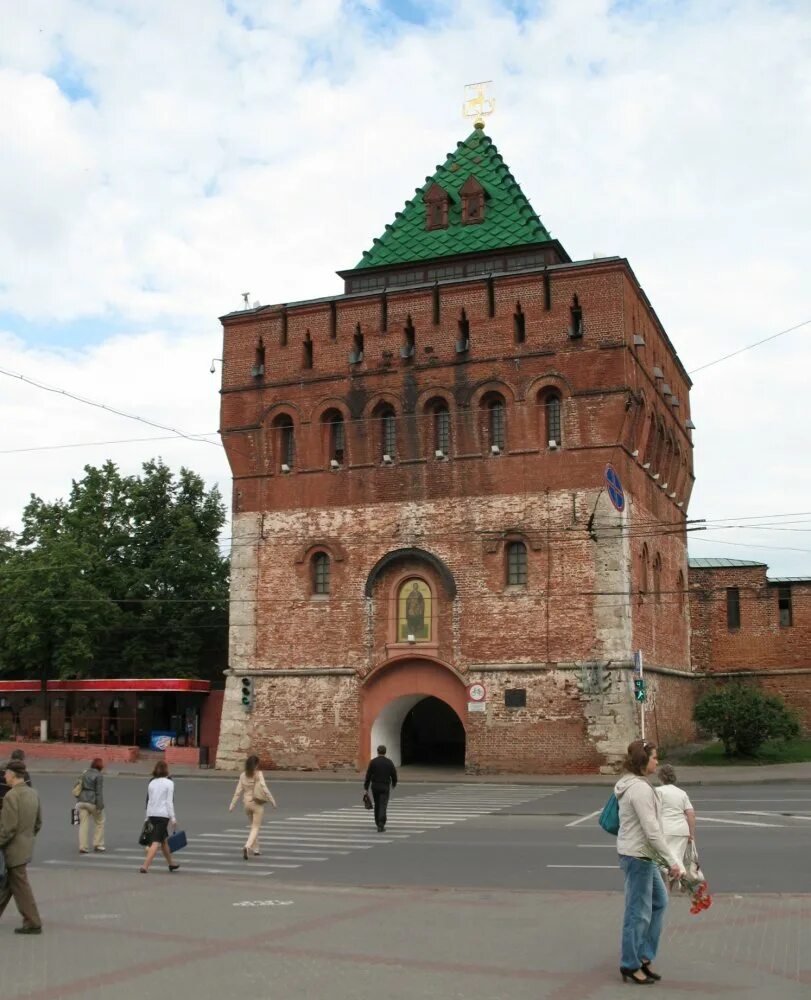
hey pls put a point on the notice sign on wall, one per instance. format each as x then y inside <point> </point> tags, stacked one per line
<point>476,698</point>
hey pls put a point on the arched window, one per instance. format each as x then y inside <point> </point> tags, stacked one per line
<point>285,439</point>
<point>553,430</point>
<point>440,426</point>
<point>495,426</point>
<point>643,571</point>
<point>320,565</point>
<point>436,207</point>
<point>336,436</point>
<point>472,194</point>
<point>414,611</point>
<point>516,564</point>
<point>387,431</point>
<point>657,578</point>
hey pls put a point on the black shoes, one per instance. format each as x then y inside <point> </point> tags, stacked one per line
<point>27,930</point>
<point>381,828</point>
<point>630,974</point>
<point>653,976</point>
<point>173,868</point>
<point>244,853</point>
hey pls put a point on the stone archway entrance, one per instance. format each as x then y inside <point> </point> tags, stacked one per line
<point>432,734</point>
<point>415,708</point>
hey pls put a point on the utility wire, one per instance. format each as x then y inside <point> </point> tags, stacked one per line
<point>749,347</point>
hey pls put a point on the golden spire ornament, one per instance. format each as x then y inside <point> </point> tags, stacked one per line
<point>479,102</point>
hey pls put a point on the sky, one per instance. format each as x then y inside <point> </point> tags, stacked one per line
<point>161,158</point>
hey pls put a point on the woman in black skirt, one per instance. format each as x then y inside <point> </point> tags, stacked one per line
<point>160,812</point>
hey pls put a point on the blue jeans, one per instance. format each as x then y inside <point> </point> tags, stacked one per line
<point>645,905</point>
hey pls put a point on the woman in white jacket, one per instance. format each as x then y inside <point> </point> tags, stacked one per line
<point>639,842</point>
<point>160,811</point>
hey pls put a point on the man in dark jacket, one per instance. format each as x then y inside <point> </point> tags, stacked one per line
<point>381,774</point>
<point>16,755</point>
<point>20,822</point>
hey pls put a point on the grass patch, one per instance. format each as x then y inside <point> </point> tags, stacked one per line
<point>772,752</point>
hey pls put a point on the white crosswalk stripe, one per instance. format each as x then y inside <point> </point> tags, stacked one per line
<point>289,843</point>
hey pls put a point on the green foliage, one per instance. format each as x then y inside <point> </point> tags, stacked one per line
<point>744,718</point>
<point>122,579</point>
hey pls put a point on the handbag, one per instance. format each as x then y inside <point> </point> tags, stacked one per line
<point>367,800</point>
<point>610,816</point>
<point>74,815</point>
<point>146,834</point>
<point>77,787</point>
<point>177,841</point>
<point>259,796</point>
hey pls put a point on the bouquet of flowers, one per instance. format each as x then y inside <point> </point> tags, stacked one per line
<point>692,883</point>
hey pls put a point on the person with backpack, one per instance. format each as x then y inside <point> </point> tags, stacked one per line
<point>642,847</point>
<point>90,805</point>
<point>255,796</point>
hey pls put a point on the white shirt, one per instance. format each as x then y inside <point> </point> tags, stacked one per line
<point>161,798</point>
<point>674,801</point>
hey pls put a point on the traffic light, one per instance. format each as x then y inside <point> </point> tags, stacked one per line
<point>639,689</point>
<point>247,693</point>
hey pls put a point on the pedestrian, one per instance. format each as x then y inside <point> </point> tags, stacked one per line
<point>20,822</point>
<point>17,756</point>
<point>255,795</point>
<point>160,812</point>
<point>90,803</point>
<point>641,845</point>
<point>678,815</point>
<point>381,774</point>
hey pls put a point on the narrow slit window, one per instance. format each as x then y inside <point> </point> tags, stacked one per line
<point>356,354</point>
<point>547,292</point>
<point>516,564</point>
<point>576,314</point>
<point>384,312</point>
<point>784,606</point>
<point>519,324</point>
<point>733,608</point>
<point>283,330</point>
<point>258,369</point>
<point>409,340</point>
<point>307,361</point>
<point>491,298</point>
<point>333,321</point>
<point>435,304</point>
<point>463,341</point>
<point>657,578</point>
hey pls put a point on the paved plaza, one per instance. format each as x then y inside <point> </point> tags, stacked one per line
<point>120,934</point>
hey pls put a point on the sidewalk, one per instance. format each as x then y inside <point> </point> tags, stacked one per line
<point>734,775</point>
<point>133,936</point>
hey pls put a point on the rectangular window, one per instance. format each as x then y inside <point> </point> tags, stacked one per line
<point>443,430</point>
<point>784,605</point>
<point>516,564</point>
<point>515,698</point>
<point>733,608</point>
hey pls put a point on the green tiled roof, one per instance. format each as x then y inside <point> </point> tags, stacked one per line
<point>509,219</point>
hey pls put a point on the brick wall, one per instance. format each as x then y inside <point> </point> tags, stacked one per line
<point>72,751</point>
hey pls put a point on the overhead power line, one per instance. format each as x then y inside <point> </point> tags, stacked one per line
<point>749,347</point>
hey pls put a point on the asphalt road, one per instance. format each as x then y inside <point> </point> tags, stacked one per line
<point>752,838</point>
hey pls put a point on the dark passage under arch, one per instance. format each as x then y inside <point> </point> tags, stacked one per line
<point>432,733</point>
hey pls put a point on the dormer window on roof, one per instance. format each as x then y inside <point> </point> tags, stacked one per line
<point>472,194</point>
<point>436,207</point>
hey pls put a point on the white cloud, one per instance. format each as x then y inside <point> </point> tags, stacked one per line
<point>200,149</point>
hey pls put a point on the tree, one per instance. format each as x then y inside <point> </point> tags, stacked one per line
<point>743,718</point>
<point>124,578</point>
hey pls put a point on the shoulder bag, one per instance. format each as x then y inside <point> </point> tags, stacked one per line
<point>610,816</point>
<point>77,787</point>
<point>259,796</point>
<point>146,834</point>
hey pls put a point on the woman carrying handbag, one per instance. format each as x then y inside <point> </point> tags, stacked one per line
<point>255,795</point>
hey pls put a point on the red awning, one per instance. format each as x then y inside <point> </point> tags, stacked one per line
<point>32,686</point>
<point>146,684</point>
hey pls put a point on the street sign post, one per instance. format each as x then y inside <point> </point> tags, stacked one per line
<point>639,689</point>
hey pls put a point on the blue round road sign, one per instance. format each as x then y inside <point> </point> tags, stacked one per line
<point>614,487</point>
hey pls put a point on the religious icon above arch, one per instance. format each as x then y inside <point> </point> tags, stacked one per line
<point>414,611</point>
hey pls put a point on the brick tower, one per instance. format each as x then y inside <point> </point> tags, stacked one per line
<point>472,467</point>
